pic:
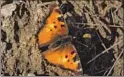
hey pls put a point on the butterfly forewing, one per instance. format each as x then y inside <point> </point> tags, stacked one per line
<point>53,28</point>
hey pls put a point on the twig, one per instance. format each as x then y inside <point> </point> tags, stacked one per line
<point>115,26</point>
<point>101,41</point>
<point>105,51</point>
<point>105,72</point>
<point>115,63</point>
<point>98,25</point>
<point>81,43</point>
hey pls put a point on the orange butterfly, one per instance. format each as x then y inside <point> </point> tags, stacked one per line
<point>54,27</point>
<point>64,55</point>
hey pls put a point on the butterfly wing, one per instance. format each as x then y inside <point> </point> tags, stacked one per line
<point>54,27</point>
<point>65,56</point>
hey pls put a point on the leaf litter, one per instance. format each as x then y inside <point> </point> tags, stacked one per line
<point>101,55</point>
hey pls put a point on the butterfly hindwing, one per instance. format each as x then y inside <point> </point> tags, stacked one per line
<point>65,56</point>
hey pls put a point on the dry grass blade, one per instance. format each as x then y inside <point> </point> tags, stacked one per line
<point>116,26</point>
<point>105,51</point>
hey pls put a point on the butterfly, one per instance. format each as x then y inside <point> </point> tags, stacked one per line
<point>64,54</point>
<point>61,51</point>
<point>53,28</point>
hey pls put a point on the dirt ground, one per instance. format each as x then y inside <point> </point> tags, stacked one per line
<point>102,19</point>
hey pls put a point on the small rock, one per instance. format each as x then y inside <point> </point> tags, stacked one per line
<point>8,9</point>
<point>30,74</point>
